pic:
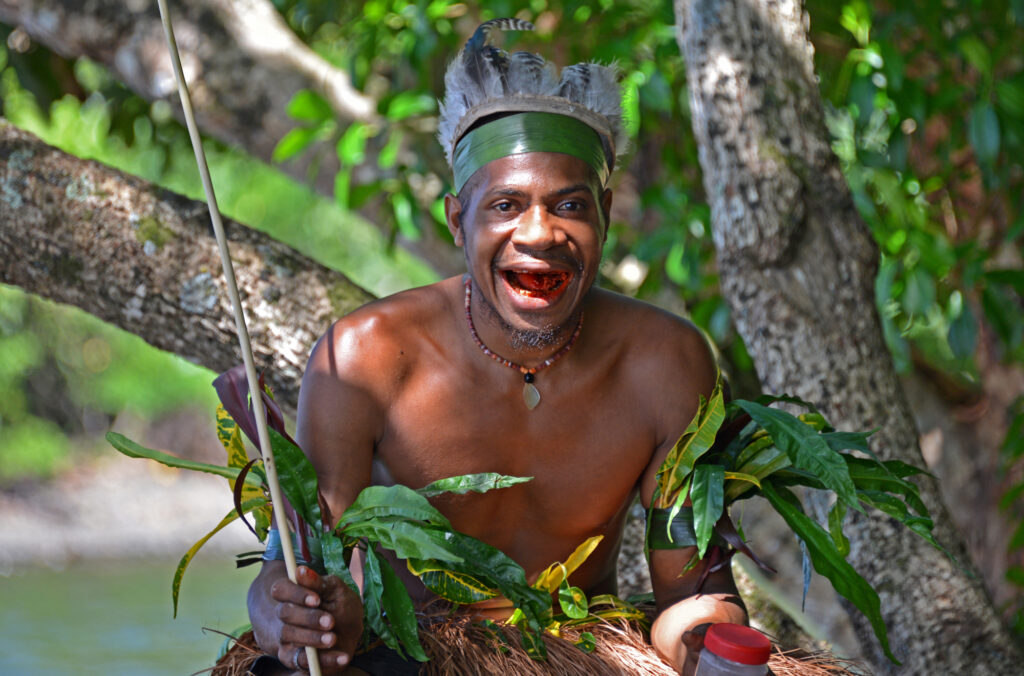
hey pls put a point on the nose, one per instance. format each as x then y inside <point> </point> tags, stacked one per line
<point>537,229</point>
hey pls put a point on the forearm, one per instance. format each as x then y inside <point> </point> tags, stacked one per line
<point>690,614</point>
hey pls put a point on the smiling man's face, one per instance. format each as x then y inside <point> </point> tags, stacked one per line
<point>532,229</point>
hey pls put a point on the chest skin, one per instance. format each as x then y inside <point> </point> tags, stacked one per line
<point>586,445</point>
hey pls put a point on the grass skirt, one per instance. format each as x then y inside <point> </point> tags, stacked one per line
<point>459,647</point>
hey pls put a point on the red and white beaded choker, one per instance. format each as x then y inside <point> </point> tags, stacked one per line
<point>531,395</point>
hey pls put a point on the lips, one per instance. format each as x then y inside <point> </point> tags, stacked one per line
<point>545,285</point>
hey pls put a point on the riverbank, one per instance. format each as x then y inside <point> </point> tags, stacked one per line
<point>115,508</point>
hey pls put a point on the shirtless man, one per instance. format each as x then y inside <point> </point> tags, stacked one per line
<point>402,391</point>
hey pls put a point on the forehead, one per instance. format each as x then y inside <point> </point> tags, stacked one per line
<point>540,171</point>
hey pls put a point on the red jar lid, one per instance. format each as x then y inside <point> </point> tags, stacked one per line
<point>738,643</point>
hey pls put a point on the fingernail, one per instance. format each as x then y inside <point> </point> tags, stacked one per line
<point>311,600</point>
<point>327,638</point>
<point>325,621</point>
<point>342,660</point>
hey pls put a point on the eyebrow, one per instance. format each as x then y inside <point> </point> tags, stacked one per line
<point>513,192</point>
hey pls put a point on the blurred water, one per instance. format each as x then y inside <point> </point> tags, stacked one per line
<point>115,618</point>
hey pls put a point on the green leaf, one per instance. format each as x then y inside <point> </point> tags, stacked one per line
<point>309,106</point>
<point>695,442</point>
<point>976,54</point>
<point>533,642</point>
<point>293,143</point>
<point>572,601</point>
<point>983,132</point>
<point>848,441</point>
<point>477,483</point>
<point>333,550</point>
<point>403,209</point>
<point>836,515</point>
<point>399,611</point>
<point>297,478</point>
<point>391,501</point>
<point>752,449</point>
<point>134,450</point>
<point>805,448</point>
<point>679,505</point>
<point>455,587</point>
<point>407,539</point>
<point>919,294</point>
<point>407,104</point>
<point>179,572</point>
<point>708,496</point>
<point>886,477</point>
<point>388,155</point>
<point>586,642</point>
<point>829,562</point>
<point>351,146</point>
<point>897,509</point>
<point>373,606</point>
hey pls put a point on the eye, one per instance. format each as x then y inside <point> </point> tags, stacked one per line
<point>572,205</point>
<point>503,206</point>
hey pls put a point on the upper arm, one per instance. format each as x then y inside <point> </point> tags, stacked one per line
<point>688,372</point>
<point>340,411</point>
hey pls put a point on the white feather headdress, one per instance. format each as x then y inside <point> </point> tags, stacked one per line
<point>485,80</point>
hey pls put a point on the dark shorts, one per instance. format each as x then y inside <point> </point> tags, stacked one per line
<point>381,661</point>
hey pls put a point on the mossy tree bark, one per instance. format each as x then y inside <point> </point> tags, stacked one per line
<point>797,266</point>
<point>243,64</point>
<point>145,259</point>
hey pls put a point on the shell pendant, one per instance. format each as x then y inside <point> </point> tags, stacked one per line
<point>531,395</point>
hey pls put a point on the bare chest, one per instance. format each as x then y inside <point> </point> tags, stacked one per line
<point>585,445</point>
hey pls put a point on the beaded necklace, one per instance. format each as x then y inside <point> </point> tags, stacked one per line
<point>531,395</point>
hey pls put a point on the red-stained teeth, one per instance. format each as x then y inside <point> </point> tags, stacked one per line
<point>536,284</point>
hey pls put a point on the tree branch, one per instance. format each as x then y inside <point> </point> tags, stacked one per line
<point>243,65</point>
<point>144,259</point>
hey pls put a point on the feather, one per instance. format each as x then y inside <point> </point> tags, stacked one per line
<point>482,72</point>
<point>530,74</point>
<point>482,61</point>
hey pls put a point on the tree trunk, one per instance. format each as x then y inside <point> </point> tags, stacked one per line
<point>145,259</point>
<point>243,65</point>
<point>797,266</point>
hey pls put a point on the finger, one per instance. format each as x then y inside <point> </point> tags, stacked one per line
<point>310,618</point>
<point>286,591</point>
<point>307,577</point>
<point>332,659</point>
<point>299,636</point>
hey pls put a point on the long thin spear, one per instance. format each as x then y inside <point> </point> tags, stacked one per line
<point>243,333</point>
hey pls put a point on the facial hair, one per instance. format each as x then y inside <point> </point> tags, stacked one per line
<point>539,338</point>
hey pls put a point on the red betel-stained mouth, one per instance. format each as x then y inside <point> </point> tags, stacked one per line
<point>542,285</point>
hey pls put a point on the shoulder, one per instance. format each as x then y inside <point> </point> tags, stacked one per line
<point>655,336</point>
<point>669,363</point>
<point>362,358</point>
<point>384,333</point>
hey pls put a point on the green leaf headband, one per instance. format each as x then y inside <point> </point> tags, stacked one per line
<point>528,132</point>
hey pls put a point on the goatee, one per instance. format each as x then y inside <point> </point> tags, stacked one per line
<point>546,336</point>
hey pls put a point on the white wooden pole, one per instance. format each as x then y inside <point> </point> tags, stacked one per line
<point>240,327</point>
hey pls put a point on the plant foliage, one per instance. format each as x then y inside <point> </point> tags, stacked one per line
<point>745,448</point>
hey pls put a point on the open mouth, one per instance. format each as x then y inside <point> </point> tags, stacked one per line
<point>542,285</point>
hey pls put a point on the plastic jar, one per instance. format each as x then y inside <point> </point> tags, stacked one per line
<point>734,650</point>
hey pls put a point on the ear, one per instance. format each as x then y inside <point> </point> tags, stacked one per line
<point>606,209</point>
<point>453,217</point>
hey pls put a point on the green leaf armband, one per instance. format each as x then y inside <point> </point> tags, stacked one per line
<point>675,535</point>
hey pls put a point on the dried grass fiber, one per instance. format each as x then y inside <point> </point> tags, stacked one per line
<point>459,647</point>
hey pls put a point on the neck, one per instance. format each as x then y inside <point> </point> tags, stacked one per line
<point>528,347</point>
